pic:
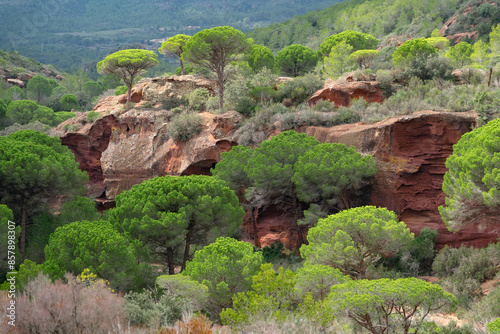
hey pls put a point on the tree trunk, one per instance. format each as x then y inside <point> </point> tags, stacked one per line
<point>220,81</point>
<point>489,77</point>
<point>254,226</point>
<point>186,250</point>
<point>182,67</point>
<point>129,90</point>
<point>170,261</point>
<point>296,212</point>
<point>24,223</point>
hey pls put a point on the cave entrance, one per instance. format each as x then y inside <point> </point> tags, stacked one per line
<point>200,168</point>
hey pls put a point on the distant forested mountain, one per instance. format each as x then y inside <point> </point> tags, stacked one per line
<point>400,19</point>
<point>72,33</point>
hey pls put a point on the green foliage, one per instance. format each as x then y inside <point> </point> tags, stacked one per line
<point>120,90</point>
<point>78,208</point>
<point>97,246</point>
<point>22,111</point>
<point>197,98</point>
<point>460,54</point>
<point>213,49</point>
<point>331,175</point>
<point>192,293</point>
<point>418,258</point>
<point>68,102</point>
<point>170,214</point>
<point>93,88</point>
<point>185,126</point>
<point>28,271</point>
<point>380,305</point>
<point>352,240</point>
<point>296,60</point>
<point>174,47</point>
<point>440,43</point>
<point>127,65</point>
<point>273,252</point>
<point>232,166</point>
<point>472,182</point>
<point>40,87</point>
<point>494,327</point>
<point>411,50</point>
<point>260,57</point>
<point>9,252</point>
<point>147,309</point>
<point>226,267</point>
<point>271,169</point>
<point>33,167</point>
<point>3,109</point>
<point>27,111</point>
<point>272,297</point>
<point>93,116</point>
<point>317,279</point>
<point>489,305</point>
<point>427,67</point>
<point>364,58</point>
<point>300,89</point>
<point>173,102</point>
<point>338,60</point>
<point>464,269</point>
<point>358,41</point>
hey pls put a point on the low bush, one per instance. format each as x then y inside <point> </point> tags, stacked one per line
<point>185,126</point>
<point>151,310</point>
<point>173,102</point>
<point>464,269</point>
<point>46,307</point>
<point>300,89</point>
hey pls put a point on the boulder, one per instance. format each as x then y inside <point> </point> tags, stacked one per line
<point>17,82</point>
<point>155,90</point>
<point>341,93</point>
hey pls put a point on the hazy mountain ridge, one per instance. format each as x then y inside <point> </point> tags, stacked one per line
<point>70,33</point>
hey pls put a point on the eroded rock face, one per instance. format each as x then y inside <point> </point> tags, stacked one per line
<point>410,152</point>
<point>123,148</point>
<point>341,93</point>
<point>155,90</point>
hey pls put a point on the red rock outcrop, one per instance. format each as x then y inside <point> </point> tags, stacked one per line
<point>17,82</point>
<point>126,147</point>
<point>157,89</point>
<point>410,152</point>
<point>341,93</point>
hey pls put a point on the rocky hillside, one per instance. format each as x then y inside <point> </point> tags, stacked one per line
<point>120,148</point>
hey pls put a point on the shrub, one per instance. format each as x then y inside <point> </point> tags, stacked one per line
<point>148,309</point>
<point>120,90</point>
<point>69,308</point>
<point>35,126</point>
<point>464,269</point>
<point>246,106</point>
<point>194,294</point>
<point>197,98</point>
<point>173,102</point>
<point>185,126</point>
<point>299,89</point>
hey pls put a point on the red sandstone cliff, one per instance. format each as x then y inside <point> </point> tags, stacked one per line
<point>124,148</point>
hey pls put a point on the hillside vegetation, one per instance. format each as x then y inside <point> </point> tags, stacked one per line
<point>171,255</point>
<point>71,34</point>
<point>400,19</point>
